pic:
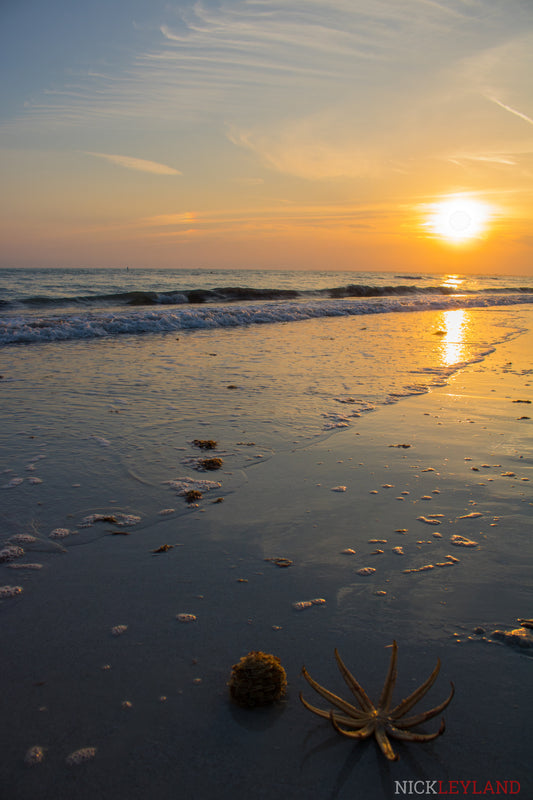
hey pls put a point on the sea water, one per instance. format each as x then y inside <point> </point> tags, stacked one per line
<point>115,393</point>
<point>56,305</point>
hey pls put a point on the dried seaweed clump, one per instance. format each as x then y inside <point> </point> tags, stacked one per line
<point>210,463</point>
<point>205,444</point>
<point>163,549</point>
<point>193,495</point>
<point>257,680</point>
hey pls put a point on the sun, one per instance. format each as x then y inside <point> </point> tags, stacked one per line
<point>458,219</point>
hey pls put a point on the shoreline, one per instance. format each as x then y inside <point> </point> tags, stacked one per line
<point>216,570</point>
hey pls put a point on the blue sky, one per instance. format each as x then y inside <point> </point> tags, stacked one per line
<point>263,133</point>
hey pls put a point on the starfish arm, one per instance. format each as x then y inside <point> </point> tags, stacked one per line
<point>352,723</point>
<point>352,684</point>
<point>411,736</point>
<point>407,704</point>
<point>384,745</point>
<point>418,719</point>
<point>363,733</point>
<point>351,710</point>
<point>390,680</point>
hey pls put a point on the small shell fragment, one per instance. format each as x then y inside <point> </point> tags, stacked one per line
<point>59,533</point>
<point>186,617</point>
<point>301,604</point>
<point>164,548</point>
<point>81,755</point>
<point>366,571</point>
<point>10,552</point>
<point>118,630</point>
<point>424,568</point>
<point>462,541</point>
<point>9,591</point>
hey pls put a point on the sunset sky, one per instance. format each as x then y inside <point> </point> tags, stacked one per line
<point>268,133</point>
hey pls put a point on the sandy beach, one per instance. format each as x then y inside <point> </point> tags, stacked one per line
<point>404,487</point>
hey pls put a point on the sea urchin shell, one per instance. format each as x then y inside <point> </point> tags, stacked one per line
<point>257,680</point>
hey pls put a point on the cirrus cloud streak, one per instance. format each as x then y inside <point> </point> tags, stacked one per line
<point>140,164</point>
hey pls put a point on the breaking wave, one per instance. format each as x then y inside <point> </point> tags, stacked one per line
<point>209,310</point>
<point>235,294</point>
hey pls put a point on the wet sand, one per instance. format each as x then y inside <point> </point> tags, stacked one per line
<point>153,700</point>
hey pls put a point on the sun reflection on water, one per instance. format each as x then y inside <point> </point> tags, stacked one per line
<point>452,282</point>
<point>454,327</point>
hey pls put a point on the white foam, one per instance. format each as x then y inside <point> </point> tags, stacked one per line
<point>10,591</point>
<point>184,485</point>
<point>92,325</point>
<point>12,483</point>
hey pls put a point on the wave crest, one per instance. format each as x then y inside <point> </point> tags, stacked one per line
<point>90,325</point>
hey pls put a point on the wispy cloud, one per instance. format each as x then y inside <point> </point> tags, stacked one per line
<point>259,57</point>
<point>268,219</point>
<point>511,110</point>
<point>504,160</point>
<point>308,147</point>
<point>313,89</point>
<point>139,164</point>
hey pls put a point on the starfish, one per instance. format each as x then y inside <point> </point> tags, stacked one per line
<point>380,720</point>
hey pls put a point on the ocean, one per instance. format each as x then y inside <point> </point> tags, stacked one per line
<point>39,305</point>
<point>169,343</point>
